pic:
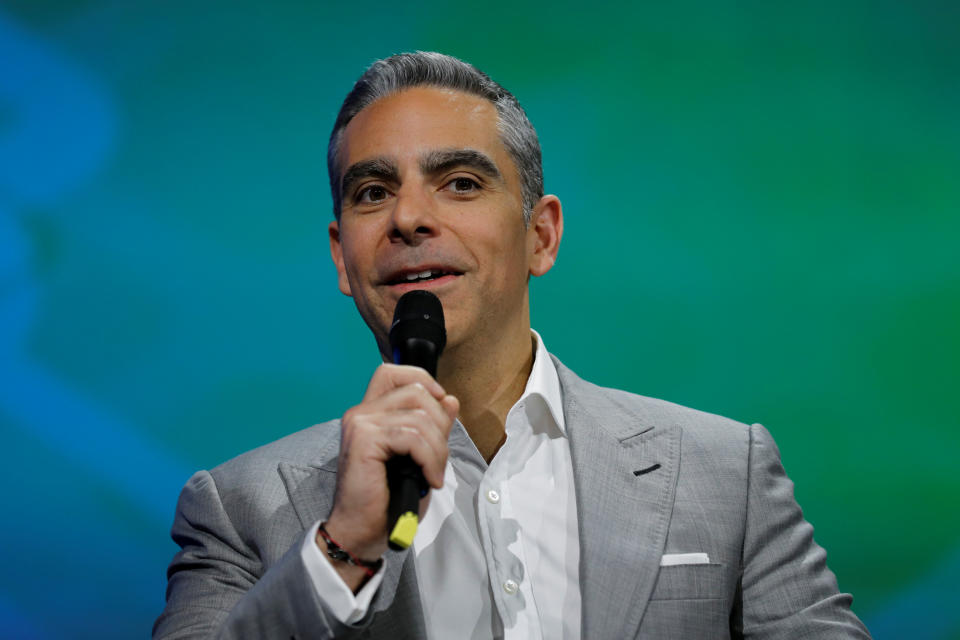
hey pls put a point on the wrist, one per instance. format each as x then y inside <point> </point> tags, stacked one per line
<point>355,537</point>
<point>343,557</point>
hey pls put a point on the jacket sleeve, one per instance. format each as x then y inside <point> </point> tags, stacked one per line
<point>217,586</point>
<point>786,589</point>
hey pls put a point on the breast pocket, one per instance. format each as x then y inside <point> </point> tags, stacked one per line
<point>689,582</point>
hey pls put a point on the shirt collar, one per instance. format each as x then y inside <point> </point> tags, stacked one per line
<point>545,383</point>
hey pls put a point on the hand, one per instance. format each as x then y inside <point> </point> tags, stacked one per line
<point>404,411</point>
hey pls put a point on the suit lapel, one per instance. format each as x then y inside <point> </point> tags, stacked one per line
<point>623,516</point>
<point>396,607</point>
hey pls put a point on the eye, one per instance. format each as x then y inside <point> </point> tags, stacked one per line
<point>463,185</point>
<point>372,194</point>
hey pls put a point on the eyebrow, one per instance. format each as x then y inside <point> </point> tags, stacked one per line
<point>442,160</point>
<point>432,163</point>
<point>381,168</point>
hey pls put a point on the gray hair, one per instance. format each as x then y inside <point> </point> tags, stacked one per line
<point>427,68</point>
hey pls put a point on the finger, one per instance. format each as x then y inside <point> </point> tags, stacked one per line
<point>419,421</point>
<point>382,436</point>
<point>412,396</point>
<point>411,406</point>
<point>391,376</point>
<point>452,406</point>
<point>406,440</point>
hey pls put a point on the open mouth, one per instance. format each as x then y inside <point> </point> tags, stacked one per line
<point>423,276</point>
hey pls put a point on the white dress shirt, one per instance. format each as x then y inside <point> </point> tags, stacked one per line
<point>497,554</point>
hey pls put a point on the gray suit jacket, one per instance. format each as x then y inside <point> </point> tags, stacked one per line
<point>719,489</point>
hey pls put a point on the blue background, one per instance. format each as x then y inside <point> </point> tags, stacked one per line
<point>761,221</point>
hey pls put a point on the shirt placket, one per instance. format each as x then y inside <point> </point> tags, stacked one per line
<point>500,538</point>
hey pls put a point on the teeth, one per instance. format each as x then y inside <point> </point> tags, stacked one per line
<point>423,275</point>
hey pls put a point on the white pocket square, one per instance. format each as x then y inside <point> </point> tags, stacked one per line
<point>674,559</point>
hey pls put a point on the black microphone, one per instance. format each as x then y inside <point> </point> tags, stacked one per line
<point>417,337</point>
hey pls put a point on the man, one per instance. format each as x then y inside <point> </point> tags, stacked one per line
<point>558,509</point>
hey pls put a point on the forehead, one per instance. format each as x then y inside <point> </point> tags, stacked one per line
<point>408,124</point>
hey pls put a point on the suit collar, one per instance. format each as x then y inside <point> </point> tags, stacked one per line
<point>623,517</point>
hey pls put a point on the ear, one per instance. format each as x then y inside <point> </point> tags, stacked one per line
<point>544,234</point>
<point>336,252</point>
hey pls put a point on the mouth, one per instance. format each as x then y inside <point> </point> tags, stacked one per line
<point>419,277</point>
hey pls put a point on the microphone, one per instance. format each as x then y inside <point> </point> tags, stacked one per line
<point>417,337</point>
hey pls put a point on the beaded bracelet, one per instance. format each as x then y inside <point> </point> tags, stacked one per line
<point>337,552</point>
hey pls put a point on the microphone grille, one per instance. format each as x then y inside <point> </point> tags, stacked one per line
<point>419,314</point>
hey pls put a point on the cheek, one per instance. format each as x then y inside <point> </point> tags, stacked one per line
<point>510,255</point>
<point>354,259</point>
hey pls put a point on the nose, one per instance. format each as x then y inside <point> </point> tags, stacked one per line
<point>413,219</point>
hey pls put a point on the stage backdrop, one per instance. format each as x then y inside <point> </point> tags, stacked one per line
<point>761,221</point>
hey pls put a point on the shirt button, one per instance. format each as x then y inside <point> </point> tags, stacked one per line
<point>493,497</point>
<point>510,586</point>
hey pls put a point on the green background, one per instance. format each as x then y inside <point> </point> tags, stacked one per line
<point>761,206</point>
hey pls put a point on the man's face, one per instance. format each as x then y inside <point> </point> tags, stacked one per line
<point>429,190</point>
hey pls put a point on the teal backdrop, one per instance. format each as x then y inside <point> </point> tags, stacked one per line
<point>762,213</point>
